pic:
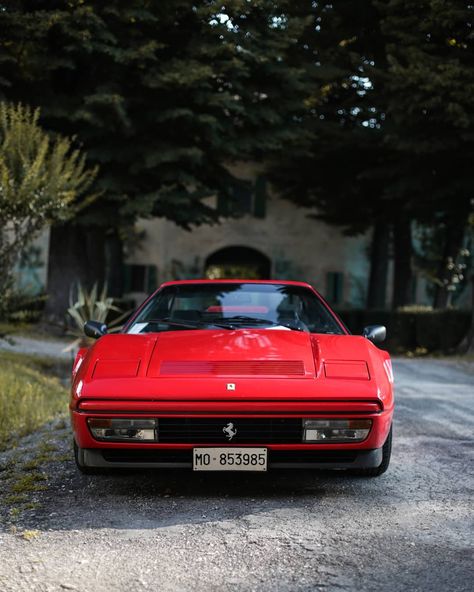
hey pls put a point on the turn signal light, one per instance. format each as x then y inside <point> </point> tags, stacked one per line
<point>336,430</point>
<point>124,430</point>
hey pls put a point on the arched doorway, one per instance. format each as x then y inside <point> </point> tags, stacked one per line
<point>238,263</point>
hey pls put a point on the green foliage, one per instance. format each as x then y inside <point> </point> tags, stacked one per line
<point>414,329</point>
<point>40,179</point>
<point>20,308</point>
<point>429,86</point>
<point>388,135</point>
<point>161,94</point>
<point>28,397</point>
<point>395,113</point>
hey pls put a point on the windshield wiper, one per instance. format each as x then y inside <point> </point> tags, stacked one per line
<point>245,319</point>
<point>242,320</point>
<point>188,324</point>
<point>229,323</point>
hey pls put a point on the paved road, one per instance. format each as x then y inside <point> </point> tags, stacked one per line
<point>51,348</point>
<point>410,529</point>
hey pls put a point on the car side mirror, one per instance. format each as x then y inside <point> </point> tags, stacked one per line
<point>95,329</point>
<point>375,333</point>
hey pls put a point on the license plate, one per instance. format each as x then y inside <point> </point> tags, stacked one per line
<point>229,459</point>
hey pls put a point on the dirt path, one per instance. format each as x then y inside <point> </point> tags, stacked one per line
<point>410,529</point>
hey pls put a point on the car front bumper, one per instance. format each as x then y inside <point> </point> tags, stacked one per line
<point>279,458</point>
<point>290,452</point>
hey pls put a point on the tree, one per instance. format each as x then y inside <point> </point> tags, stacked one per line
<point>429,86</point>
<point>41,179</point>
<point>340,165</point>
<point>162,95</point>
<point>391,135</point>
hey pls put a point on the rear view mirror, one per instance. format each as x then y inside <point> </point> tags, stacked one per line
<point>95,329</point>
<point>375,333</point>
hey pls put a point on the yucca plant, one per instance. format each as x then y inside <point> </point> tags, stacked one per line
<point>90,306</point>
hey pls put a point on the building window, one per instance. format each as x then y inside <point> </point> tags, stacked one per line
<point>335,287</point>
<point>246,198</point>
<point>140,278</point>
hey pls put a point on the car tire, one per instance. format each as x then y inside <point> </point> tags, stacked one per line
<point>386,454</point>
<point>79,458</point>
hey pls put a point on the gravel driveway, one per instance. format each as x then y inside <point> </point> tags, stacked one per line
<point>410,529</point>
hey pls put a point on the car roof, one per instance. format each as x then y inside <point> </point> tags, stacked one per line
<point>234,281</point>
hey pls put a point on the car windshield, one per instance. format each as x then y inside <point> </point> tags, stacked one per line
<point>235,306</point>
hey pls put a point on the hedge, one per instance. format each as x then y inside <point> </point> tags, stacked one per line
<point>419,330</point>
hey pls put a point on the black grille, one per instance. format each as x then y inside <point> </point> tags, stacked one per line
<point>312,456</point>
<point>147,456</point>
<point>186,456</point>
<point>247,431</point>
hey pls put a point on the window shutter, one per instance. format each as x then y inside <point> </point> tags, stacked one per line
<point>335,287</point>
<point>151,279</point>
<point>260,203</point>
<point>127,278</point>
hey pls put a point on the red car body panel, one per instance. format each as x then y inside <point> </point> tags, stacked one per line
<point>276,374</point>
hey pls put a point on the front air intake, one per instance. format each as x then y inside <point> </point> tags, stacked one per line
<point>233,368</point>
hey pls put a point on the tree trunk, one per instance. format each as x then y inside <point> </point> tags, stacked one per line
<point>402,254</point>
<point>76,254</point>
<point>377,292</point>
<point>114,264</point>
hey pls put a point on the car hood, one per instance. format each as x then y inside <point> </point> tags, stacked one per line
<point>253,365</point>
<point>243,353</point>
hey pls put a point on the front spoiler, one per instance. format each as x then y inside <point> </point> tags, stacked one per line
<point>362,459</point>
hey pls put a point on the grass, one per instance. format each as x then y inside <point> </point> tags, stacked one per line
<point>29,395</point>
<point>29,483</point>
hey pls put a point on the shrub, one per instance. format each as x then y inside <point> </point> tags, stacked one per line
<point>41,180</point>
<point>17,307</point>
<point>413,328</point>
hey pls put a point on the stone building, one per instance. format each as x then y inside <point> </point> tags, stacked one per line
<point>271,238</point>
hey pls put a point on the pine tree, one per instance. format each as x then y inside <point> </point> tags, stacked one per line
<point>161,94</point>
<point>388,139</point>
<point>338,165</point>
<point>429,85</point>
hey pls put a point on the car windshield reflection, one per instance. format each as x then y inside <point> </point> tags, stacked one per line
<point>235,306</point>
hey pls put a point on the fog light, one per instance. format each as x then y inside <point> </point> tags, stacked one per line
<point>336,430</point>
<point>124,430</point>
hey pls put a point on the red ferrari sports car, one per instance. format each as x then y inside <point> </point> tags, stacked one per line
<point>233,375</point>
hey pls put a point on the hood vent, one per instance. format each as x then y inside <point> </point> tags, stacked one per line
<point>233,368</point>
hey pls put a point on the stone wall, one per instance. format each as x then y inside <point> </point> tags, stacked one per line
<point>299,247</point>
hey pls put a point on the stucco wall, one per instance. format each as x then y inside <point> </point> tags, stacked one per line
<point>299,247</point>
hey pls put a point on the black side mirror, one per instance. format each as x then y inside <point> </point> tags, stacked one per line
<point>95,329</point>
<point>375,333</point>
